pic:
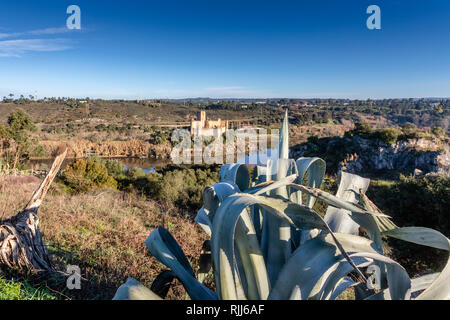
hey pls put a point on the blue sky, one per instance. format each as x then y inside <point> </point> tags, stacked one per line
<point>222,49</point>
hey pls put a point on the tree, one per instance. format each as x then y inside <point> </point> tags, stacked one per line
<point>20,124</point>
<point>4,141</point>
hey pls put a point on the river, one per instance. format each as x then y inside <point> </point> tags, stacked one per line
<point>148,165</point>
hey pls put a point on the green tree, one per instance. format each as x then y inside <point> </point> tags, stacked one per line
<point>20,124</point>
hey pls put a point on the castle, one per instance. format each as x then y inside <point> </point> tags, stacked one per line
<point>204,127</point>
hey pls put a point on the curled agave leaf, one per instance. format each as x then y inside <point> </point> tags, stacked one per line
<point>315,167</point>
<point>338,219</point>
<point>440,287</point>
<point>165,248</point>
<point>235,173</point>
<point>213,196</point>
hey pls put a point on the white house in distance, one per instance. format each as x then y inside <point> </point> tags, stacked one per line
<point>204,127</point>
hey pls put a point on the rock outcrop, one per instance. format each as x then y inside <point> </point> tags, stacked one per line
<point>359,155</point>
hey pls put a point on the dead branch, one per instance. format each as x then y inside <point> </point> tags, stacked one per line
<point>21,244</point>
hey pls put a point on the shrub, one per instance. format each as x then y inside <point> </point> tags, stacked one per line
<point>388,136</point>
<point>438,131</point>
<point>84,175</point>
<point>115,168</point>
<point>135,173</point>
<point>361,128</point>
<point>178,185</point>
<point>415,201</point>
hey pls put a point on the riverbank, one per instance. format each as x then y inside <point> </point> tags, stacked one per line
<point>109,149</point>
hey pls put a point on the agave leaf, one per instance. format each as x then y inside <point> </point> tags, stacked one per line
<point>423,282</point>
<point>315,167</point>
<point>440,288</point>
<point>235,173</point>
<point>223,233</point>
<point>162,283</point>
<point>335,201</point>
<point>203,220</point>
<point>417,284</point>
<point>165,248</point>
<point>325,286</point>
<point>223,236</point>
<point>271,185</point>
<point>276,233</point>
<point>420,235</point>
<point>302,270</point>
<point>383,223</point>
<point>228,283</point>
<point>284,138</point>
<point>349,186</point>
<point>306,268</point>
<point>342,285</point>
<point>250,254</point>
<point>255,188</point>
<point>213,196</point>
<point>133,290</point>
<point>317,268</point>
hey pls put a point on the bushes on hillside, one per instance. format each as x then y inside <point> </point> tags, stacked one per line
<point>388,136</point>
<point>178,185</point>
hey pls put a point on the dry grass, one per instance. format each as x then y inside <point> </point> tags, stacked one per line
<point>102,232</point>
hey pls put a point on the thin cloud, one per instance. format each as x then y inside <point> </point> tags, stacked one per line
<point>37,32</point>
<point>16,48</point>
<point>40,32</point>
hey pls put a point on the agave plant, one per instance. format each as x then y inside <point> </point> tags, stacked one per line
<point>267,242</point>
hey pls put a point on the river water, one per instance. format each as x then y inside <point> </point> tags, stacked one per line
<point>149,165</point>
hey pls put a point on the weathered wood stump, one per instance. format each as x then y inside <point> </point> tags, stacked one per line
<point>21,243</point>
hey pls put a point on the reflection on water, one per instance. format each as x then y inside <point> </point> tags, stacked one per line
<point>258,158</point>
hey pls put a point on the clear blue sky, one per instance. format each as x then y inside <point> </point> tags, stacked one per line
<point>177,49</point>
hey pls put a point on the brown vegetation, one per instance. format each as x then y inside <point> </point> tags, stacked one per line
<point>300,134</point>
<point>112,149</point>
<point>103,233</point>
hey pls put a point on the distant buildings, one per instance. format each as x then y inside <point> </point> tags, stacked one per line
<point>205,127</point>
